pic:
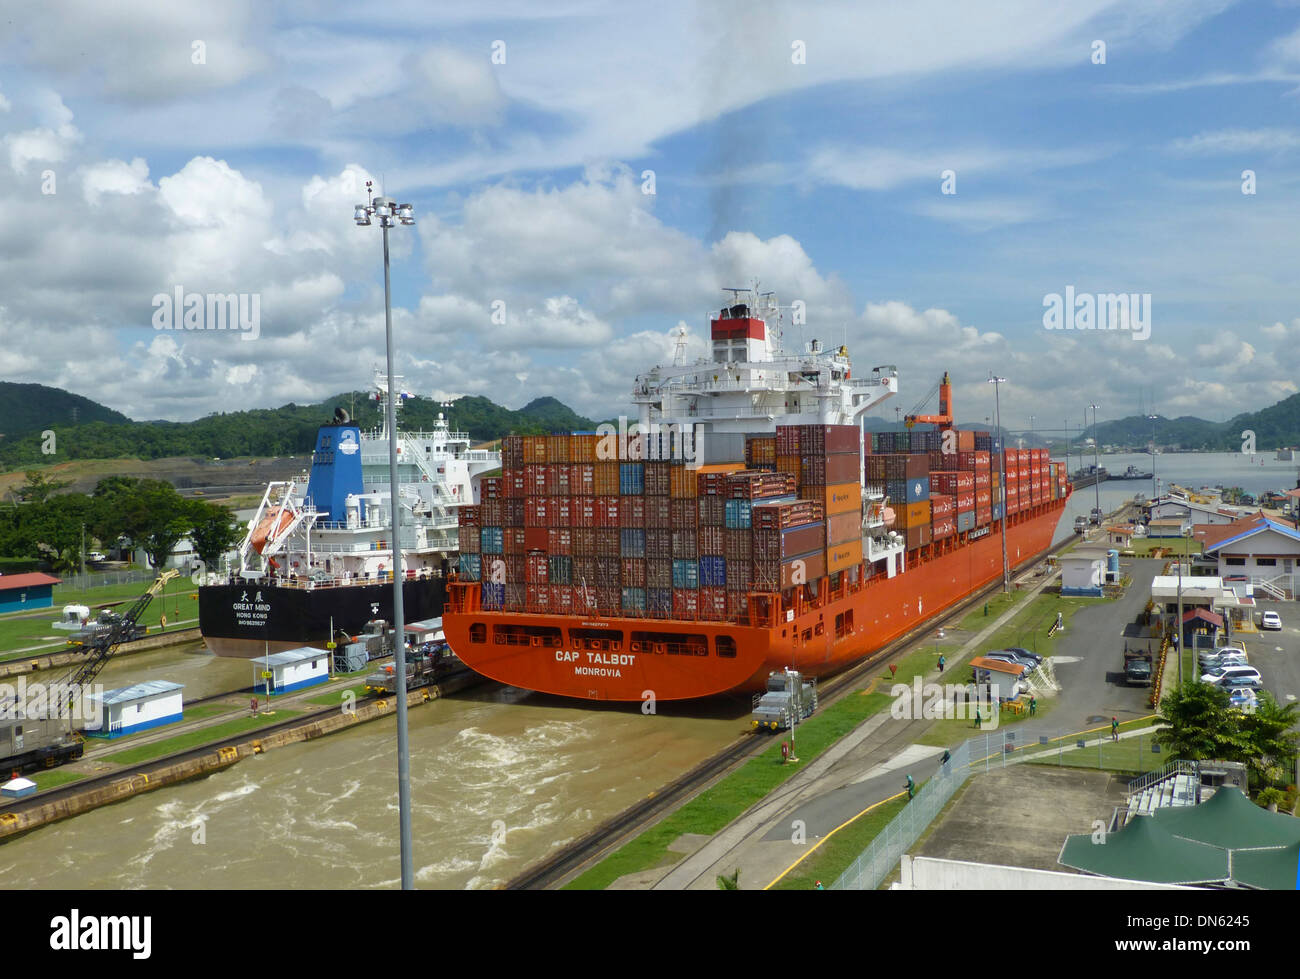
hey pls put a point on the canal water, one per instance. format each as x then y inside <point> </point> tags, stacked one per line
<point>499,778</point>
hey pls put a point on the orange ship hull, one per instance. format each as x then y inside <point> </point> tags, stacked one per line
<point>606,657</point>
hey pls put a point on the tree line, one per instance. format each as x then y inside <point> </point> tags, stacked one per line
<point>146,513</point>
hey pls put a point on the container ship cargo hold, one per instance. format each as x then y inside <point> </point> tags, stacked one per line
<point>746,526</point>
<point>316,561</point>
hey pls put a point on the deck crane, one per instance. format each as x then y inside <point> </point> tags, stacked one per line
<point>46,737</point>
<point>944,418</point>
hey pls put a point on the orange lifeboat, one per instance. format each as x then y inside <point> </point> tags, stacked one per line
<point>271,526</point>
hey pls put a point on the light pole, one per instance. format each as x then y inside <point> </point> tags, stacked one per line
<point>1096,464</point>
<point>390,213</point>
<point>997,383</point>
<point>1153,455</point>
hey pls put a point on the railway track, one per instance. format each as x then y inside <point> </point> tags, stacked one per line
<point>611,834</point>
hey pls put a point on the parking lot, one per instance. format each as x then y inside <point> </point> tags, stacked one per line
<point>1277,654</point>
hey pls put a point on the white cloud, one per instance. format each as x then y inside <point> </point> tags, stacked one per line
<point>114,177</point>
<point>1237,141</point>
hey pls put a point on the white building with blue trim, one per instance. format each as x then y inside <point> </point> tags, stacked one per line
<point>128,710</point>
<point>1266,554</point>
<point>293,669</point>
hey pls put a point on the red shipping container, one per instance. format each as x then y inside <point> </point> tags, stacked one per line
<point>561,511</point>
<point>983,480</point>
<point>658,513</point>
<point>632,571</point>
<point>686,604</point>
<point>711,540</point>
<point>775,546</point>
<point>535,569</point>
<point>513,540</point>
<point>683,514</point>
<point>470,516</point>
<point>584,567</point>
<point>584,542</point>
<point>536,538</point>
<point>562,598</point>
<point>966,501</point>
<point>512,451</point>
<point>828,439</point>
<point>608,542</point>
<point>713,511</point>
<point>581,479</point>
<point>942,506</point>
<point>658,478</point>
<point>983,517</point>
<point>584,511</point>
<point>659,574</point>
<point>512,483</point>
<point>513,512</point>
<point>983,499</point>
<point>607,512</point>
<point>737,606</point>
<point>559,542</point>
<point>738,545</point>
<point>659,547</point>
<point>631,512</point>
<point>945,527</point>
<point>685,545</point>
<point>920,536</point>
<point>536,511</point>
<point>538,598</point>
<point>740,575</point>
<point>713,604</point>
<point>820,470</point>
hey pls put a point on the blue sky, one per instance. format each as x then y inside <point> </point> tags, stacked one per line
<point>236,172</point>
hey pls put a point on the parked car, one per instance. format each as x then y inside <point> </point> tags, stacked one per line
<point>1270,620</point>
<point>1244,699</point>
<point>1224,656</point>
<point>1009,657</point>
<point>95,556</point>
<point>1029,654</point>
<point>1226,676</point>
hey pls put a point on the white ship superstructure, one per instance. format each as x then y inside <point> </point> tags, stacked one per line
<point>294,536</point>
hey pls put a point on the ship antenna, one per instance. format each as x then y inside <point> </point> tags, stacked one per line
<point>679,358</point>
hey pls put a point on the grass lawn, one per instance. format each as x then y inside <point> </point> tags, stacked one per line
<point>1174,546</point>
<point>714,808</point>
<point>335,697</point>
<point>834,856</point>
<point>49,780</point>
<point>21,632</point>
<point>157,749</point>
<point>204,711</point>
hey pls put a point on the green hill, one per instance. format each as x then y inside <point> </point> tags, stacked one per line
<point>287,430</point>
<point>27,408</point>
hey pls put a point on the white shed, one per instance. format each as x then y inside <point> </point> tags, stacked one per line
<point>128,710</point>
<point>1083,571</point>
<point>293,669</point>
<point>1002,677</point>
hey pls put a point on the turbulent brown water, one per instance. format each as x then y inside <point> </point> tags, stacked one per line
<point>499,777</point>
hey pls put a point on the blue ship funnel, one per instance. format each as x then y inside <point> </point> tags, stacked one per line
<point>335,469</point>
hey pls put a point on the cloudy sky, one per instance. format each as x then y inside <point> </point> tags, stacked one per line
<point>220,148</point>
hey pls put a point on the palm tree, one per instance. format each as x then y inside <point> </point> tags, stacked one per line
<point>1273,743</point>
<point>1196,723</point>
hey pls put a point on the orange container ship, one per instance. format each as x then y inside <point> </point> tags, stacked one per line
<point>717,540</point>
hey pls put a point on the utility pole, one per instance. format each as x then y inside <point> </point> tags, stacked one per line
<point>1096,464</point>
<point>997,383</point>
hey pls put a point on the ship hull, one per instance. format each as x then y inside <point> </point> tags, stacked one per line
<point>640,660</point>
<point>246,620</point>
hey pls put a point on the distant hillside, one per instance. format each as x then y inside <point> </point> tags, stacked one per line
<point>288,430</point>
<point>26,408</point>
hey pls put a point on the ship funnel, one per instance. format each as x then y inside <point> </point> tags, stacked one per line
<point>335,470</point>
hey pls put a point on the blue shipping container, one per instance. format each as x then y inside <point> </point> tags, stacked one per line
<point>632,542</point>
<point>631,479</point>
<point>470,567</point>
<point>739,514</point>
<point>634,598</point>
<point>660,600</point>
<point>686,574</point>
<point>490,540</point>
<point>713,572</point>
<point>494,596</point>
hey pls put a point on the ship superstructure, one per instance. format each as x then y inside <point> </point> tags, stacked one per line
<point>326,536</point>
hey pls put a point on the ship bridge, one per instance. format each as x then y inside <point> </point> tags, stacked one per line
<point>751,383</point>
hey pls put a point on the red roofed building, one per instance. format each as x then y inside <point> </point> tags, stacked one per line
<point>26,591</point>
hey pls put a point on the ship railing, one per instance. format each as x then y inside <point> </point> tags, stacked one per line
<point>315,582</point>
